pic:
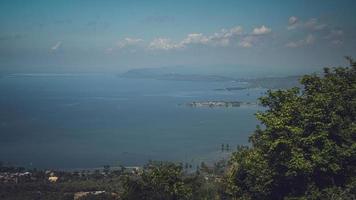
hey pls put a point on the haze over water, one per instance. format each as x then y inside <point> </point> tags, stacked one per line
<point>73,111</point>
<point>89,120</point>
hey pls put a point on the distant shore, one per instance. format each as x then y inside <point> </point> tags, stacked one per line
<point>213,104</point>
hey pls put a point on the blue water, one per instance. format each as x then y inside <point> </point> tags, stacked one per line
<point>83,121</point>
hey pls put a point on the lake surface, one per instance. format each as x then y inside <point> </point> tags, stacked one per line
<point>89,120</point>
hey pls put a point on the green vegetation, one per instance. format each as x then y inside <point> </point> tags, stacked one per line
<point>163,181</point>
<point>306,149</point>
<point>37,186</point>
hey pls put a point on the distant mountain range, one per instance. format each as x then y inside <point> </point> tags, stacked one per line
<point>179,74</point>
<point>152,74</point>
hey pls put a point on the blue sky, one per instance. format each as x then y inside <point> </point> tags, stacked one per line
<point>114,36</point>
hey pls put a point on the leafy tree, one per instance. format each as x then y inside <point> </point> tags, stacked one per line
<point>307,146</point>
<point>163,181</point>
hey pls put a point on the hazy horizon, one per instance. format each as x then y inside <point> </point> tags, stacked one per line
<point>179,44</point>
<point>283,37</point>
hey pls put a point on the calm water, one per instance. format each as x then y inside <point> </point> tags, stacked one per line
<point>90,120</point>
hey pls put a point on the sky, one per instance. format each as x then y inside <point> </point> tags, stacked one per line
<point>66,36</point>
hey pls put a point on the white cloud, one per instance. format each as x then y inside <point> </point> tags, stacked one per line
<point>56,46</point>
<point>168,44</point>
<point>129,42</point>
<point>225,36</point>
<point>261,30</point>
<point>334,34</point>
<point>293,22</point>
<point>226,33</point>
<point>315,27</point>
<point>313,24</point>
<point>246,42</point>
<point>163,44</point>
<point>249,41</point>
<point>222,38</point>
<point>308,40</point>
<point>195,38</point>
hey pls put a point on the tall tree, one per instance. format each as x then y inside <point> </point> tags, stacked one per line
<point>307,146</point>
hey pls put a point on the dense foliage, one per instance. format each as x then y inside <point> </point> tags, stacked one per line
<point>160,182</point>
<point>307,146</point>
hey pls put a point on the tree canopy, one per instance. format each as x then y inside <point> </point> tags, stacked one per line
<point>306,146</point>
<point>162,180</point>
